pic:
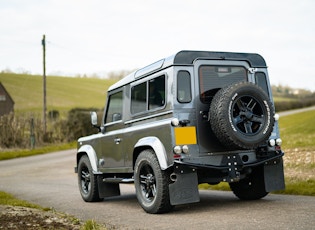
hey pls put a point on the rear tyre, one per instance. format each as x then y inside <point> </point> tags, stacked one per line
<point>152,184</point>
<point>87,181</point>
<point>252,187</point>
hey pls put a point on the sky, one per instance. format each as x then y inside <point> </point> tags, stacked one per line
<point>102,36</point>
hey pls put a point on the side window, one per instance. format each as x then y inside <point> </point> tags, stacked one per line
<point>261,81</point>
<point>183,87</point>
<point>139,98</point>
<point>148,95</point>
<point>157,92</point>
<point>114,109</point>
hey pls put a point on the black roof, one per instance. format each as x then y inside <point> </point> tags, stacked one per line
<point>188,57</point>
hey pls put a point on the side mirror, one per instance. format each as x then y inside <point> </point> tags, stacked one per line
<point>116,117</point>
<point>94,121</point>
<point>94,118</point>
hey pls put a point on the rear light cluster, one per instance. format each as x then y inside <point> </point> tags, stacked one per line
<point>275,142</point>
<point>181,149</point>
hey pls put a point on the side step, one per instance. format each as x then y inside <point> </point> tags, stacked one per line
<point>118,180</point>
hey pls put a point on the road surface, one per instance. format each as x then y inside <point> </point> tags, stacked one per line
<point>49,180</point>
<point>294,111</point>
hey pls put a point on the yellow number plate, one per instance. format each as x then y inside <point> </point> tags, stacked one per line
<point>185,135</point>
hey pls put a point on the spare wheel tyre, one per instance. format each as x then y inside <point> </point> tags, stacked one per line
<point>241,116</point>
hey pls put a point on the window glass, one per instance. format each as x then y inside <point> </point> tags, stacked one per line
<point>148,95</point>
<point>261,81</point>
<point>157,92</point>
<point>139,98</point>
<point>213,78</point>
<point>115,105</point>
<point>183,87</point>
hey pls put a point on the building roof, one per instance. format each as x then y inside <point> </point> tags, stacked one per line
<point>6,92</point>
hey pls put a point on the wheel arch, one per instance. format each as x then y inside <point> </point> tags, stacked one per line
<point>90,152</point>
<point>156,145</point>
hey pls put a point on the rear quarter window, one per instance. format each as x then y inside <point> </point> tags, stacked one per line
<point>183,87</point>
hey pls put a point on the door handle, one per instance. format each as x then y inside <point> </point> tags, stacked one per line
<point>117,141</point>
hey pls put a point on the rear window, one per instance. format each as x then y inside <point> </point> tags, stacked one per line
<point>213,78</point>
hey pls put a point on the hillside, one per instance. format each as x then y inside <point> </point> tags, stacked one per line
<point>63,93</point>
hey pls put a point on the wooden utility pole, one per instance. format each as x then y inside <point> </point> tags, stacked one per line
<point>44,82</point>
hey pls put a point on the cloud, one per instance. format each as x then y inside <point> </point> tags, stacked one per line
<point>102,36</point>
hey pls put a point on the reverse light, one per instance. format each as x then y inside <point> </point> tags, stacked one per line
<point>272,142</point>
<point>185,149</point>
<point>276,116</point>
<point>177,149</point>
<point>278,141</point>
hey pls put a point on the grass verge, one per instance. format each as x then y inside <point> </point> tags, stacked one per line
<point>74,223</point>
<point>8,199</point>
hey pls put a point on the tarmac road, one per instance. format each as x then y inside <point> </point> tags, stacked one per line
<point>49,180</point>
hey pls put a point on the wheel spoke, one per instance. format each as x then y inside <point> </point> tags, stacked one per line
<point>143,179</point>
<point>238,119</point>
<point>240,105</point>
<point>257,119</point>
<point>248,127</point>
<point>251,104</point>
<point>153,190</point>
<point>85,175</point>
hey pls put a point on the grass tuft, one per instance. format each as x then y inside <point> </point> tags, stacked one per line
<point>8,199</point>
<point>92,225</point>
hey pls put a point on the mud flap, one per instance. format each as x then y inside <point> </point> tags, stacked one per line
<point>185,189</point>
<point>274,176</point>
<point>107,189</point>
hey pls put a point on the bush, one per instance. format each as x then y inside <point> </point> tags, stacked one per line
<point>25,131</point>
<point>78,124</point>
<point>294,104</point>
<point>13,131</point>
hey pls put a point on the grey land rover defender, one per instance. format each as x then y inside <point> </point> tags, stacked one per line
<point>194,117</point>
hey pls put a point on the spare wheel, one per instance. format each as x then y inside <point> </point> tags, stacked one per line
<point>241,116</point>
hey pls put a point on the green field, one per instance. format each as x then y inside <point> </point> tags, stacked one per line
<point>63,93</point>
<point>298,130</point>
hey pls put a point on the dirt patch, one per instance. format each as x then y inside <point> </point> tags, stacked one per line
<point>14,217</point>
<point>299,163</point>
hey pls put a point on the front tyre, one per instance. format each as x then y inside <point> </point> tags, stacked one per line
<point>252,187</point>
<point>151,184</point>
<point>87,181</point>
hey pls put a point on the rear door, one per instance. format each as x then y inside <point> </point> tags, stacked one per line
<point>210,77</point>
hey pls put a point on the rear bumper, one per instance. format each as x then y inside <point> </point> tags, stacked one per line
<point>226,167</point>
<point>230,160</point>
